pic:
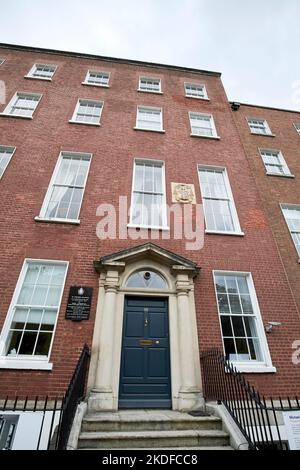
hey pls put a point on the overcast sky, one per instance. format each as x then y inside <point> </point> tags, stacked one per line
<point>255,44</point>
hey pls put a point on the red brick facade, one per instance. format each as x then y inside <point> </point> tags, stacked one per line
<point>114,146</point>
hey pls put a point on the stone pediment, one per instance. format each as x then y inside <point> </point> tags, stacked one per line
<point>148,250</point>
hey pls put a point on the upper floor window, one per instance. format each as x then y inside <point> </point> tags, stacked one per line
<point>97,78</point>
<point>202,125</point>
<point>2,61</point>
<point>291,214</point>
<point>275,163</point>
<point>152,85</point>
<point>22,105</point>
<point>259,126</point>
<point>297,126</point>
<point>64,196</point>
<point>5,155</point>
<point>149,119</point>
<point>242,329</point>
<point>87,112</point>
<point>42,71</point>
<point>29,329</point>
<point>193,90</point>
<point>147,280</point>
<point>219,208</point>
<point>148,200</point>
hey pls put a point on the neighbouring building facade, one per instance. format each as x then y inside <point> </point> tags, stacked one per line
<point>78,132</point>
<point>271,141</point>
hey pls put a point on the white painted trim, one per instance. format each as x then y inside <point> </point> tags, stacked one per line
<point>269,132</point>
<point>281,158</point>
<point>234,213</point>
<point>58,221</point>
<point>297,129</point>
<point>13,100</point>
<point>282,206</point>
<point>33,68</point>
<point>164,204</point>
<point>12,154</point>
<point>212,121</point>
<point>251,366</point>
<point>220,232</point>
<point>73,119</point>
<point>197,84</point>
<point>154,108</point>
<point>213,137</point>
<point>22,364</point>
<point>143,77</point>
<point>26,361</point>
<point>85,82</point>
<point>52,180</point>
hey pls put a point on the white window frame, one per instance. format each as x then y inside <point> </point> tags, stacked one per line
<point>164,225</point>
<point>213,126</point>
<point>234,214</point>
<point>266,125</point>
<point>161,130</point>
<point>11,103</point>
<point>266,365</point>
<point>143,77</point>
<point>281,159</point>
<point>30,74</point>
<point>47,197</point>
<point>286,206</point>
<point>2,61</point>
<point>73,119</point>
<point>297,127</point>
<point>39,362</point>
<point>12,153</point>
<point>199,85</point>
<point>102,85</point>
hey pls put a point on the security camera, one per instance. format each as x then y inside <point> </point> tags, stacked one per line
<point>271,324</point>
<point>147,275</point>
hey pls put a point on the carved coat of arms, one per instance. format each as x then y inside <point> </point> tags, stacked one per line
<point>183,193</point>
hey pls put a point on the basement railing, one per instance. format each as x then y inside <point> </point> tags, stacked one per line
<point>46,421</point>
<point>258,418</point>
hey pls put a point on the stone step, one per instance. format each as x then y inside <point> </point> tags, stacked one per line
<point>108,422</point>
<point>153,439</point>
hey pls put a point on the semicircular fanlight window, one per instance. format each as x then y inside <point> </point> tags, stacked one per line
<point>147,280</point>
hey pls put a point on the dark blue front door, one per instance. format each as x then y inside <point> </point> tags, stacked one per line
<point>145,363</point>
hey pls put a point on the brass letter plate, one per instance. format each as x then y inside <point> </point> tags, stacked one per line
<point>146,342</point>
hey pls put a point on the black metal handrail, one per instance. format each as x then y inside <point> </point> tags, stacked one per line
<point>256,417</point>
<point>74,394</point>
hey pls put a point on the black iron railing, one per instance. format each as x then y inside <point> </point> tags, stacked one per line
<point>51,419</point>
<point>257,418</point>
<point>74,394</point>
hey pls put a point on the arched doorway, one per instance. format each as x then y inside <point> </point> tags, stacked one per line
<point>171,285</point>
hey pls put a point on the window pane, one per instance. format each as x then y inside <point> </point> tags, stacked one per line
<point>43,344</point>
<point>238,326</point>
<point>223,303</point>
<point>230,352</point>
<point>242,350</point>
<point>226,326</point>
<point>27,343</point>
<point>42,285</point>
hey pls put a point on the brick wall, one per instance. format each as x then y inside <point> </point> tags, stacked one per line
<point>114,146</point>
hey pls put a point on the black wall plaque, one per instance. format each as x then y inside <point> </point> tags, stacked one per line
<point>79,303</point>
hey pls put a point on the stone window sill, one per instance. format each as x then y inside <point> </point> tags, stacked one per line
<point>149,130</point>
<point>57,221</point>
<point>8,363</point>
